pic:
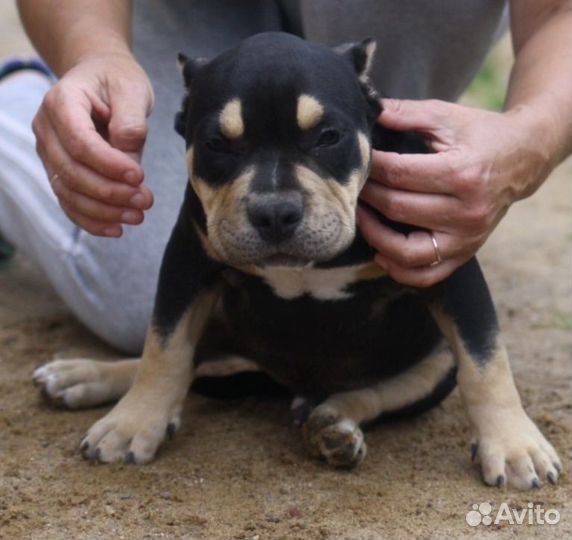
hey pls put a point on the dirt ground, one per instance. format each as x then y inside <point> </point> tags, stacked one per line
<point>238,469</point>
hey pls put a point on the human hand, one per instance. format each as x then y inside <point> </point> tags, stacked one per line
<point>483,162</point>
<point>90,133</point>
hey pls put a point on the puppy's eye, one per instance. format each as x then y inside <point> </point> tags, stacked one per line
<point>328,137</point>
<point>217,144</point>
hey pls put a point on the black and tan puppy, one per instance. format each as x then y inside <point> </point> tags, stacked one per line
<point>265,264</point>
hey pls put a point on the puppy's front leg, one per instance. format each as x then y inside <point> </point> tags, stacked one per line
<point>509,446</point>
<point>187,292</point>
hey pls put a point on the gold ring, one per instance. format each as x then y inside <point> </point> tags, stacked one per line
<point>438,257</point>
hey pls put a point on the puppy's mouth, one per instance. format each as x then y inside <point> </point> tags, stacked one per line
<point>242,245</point>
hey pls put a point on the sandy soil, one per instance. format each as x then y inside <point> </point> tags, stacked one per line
<point>238,469</point>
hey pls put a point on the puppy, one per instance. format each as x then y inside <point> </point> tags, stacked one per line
<point>265,269</point>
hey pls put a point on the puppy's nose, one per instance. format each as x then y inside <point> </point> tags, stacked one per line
<point>275,216</point>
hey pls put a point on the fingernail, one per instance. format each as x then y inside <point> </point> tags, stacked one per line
<point>114,232</point>
<point>131,217</point>
<point>138,200</point>
<point>130,176</point>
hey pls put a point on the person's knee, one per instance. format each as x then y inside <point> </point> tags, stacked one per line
<point>124,329</point>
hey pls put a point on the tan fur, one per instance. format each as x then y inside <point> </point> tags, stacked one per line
<point>138,423</point>
<point>365,151</point>
<point>226,366</point>
<point>190,161</point>
<point>327,193</point>
<point>510,446</point>
<point>370,53</point>
<point>392,394</point>
<point>369,271</point>
<point>231,121</point>
<point>224,204</point>
<point>332,430</point>
<point>309,112</point>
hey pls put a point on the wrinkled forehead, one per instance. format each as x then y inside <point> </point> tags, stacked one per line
<point>240,117</point>
<point>278,86</point>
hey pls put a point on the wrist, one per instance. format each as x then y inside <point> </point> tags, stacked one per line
<point>100,45</point>
<point>543,129</point>
<point>534,149</point>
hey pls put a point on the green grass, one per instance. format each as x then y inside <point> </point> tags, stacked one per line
<point>563,321</point>
<point>488,89</point>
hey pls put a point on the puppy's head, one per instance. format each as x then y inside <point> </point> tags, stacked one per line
<point>278,147</point>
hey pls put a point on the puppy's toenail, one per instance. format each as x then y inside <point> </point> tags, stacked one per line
<point>130,458</point>
<point>171,430</point>
<point>551,478</point>
<point>557,467</point>
<point>535,484</point>
<point>97,455</point>
<point>474,450</point>
<point>500,480</point>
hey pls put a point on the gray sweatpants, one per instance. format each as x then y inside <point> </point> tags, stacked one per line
<point>425,49</point>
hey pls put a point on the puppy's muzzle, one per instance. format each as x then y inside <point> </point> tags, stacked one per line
<point>275,216</point>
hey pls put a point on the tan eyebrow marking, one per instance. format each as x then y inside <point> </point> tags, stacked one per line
<point>309,112</point>
<point>230,119</point>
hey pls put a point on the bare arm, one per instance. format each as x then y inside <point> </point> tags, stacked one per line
<point>483,161</point>
<point>92,125</point>
<point>65,31</point>
<point>541,78</point>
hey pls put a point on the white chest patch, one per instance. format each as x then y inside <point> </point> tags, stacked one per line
<point>321,283</point>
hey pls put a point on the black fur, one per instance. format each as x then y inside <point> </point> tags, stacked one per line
<point>312,347</point>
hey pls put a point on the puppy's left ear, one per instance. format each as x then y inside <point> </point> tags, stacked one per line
<point>189,69</point>
<point>360,54</point>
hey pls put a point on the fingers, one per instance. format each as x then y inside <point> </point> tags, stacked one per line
<point>422,277</point>
<point>424,173</point>
<point>78,178</point>
<point>409,259</point>
<point>97,181</point>
<point>68,112</point>
<point>410,115</point>
<point>92,226</point>
<point>414,250</point>
<point>429,211</point>
<point>128,122</point>
<point>91,208</point>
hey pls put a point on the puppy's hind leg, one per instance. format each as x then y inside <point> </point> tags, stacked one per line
<point>332,431</point>
<point>81,383</point>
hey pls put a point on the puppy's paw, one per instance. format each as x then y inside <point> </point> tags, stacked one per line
<point>337,439</point>
<point>516,454</point>
<point>132,432</point>
<point>76,384</point>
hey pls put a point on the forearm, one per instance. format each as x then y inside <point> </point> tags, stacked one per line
<point>65,31</point>
<point>540,86</point>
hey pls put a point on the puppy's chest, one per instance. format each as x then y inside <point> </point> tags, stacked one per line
<point>324,332</point>
<point>311,305</point>
<point>322,284</point>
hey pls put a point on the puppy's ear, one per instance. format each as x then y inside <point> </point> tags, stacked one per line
<point>360,54</point>
<point>189,67</point>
